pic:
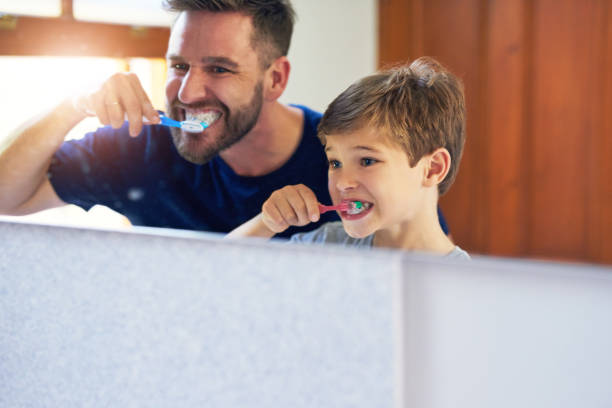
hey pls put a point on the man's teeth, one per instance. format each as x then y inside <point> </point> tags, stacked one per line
<point>208,117</point>
<point>355,207</point>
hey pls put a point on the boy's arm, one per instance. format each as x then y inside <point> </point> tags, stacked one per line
<point>286,207</point>
<point>255,227</point>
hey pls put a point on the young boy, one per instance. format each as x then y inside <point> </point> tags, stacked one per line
<point>394,141</point>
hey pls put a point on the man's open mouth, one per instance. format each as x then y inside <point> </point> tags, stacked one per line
<point>208,117</point>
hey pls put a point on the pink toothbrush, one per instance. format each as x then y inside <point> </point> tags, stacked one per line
<point>343,206</point>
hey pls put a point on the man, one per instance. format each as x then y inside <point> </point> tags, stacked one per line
<point>226,63</point>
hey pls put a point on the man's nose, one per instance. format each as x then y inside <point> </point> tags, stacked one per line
<point>193,87</point>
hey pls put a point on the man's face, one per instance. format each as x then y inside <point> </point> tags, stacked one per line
<point>213,73</point>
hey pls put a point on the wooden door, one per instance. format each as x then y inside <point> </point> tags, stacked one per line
<point>534,177</point>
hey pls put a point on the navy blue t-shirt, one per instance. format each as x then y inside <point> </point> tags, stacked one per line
<point>145,179</point>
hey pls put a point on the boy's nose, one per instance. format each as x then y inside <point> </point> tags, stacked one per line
<point>193,87</point>
<point>345,181</point>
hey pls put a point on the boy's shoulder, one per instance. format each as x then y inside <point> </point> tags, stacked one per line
<point>458,253</point>
<point>334,233</point>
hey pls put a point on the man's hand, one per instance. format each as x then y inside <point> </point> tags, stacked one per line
<point>290,206</point>
<point>121,95</point>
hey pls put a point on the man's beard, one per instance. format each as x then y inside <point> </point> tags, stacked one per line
<point>238,123</point>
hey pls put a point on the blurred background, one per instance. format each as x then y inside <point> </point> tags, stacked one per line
<point>538,77</point>
<point>534,179</point>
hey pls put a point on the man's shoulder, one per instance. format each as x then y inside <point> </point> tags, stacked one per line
<point>310,115</point>
<point>123,133</point>
<point>310,124</point>
<point>151,137</point>
<point>104,146</point>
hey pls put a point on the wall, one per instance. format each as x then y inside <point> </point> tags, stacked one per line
<point>334,43</point>
<point>534,177</point>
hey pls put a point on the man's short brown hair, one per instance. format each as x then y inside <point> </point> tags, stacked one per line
<point>272,21</point>
<point>420,106</point>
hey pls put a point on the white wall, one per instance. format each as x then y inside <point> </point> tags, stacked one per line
<point>334,44</point>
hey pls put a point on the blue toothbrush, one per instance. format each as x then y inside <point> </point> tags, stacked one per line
<point>186,125</point>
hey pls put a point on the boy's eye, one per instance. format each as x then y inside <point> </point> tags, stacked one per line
<point>368,161</point>
<point>334,164</point>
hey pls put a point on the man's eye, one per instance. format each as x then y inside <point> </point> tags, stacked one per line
<point>180,66</point>
<point>334,164</point>
<point>219,70</point>
<point>368,161</point>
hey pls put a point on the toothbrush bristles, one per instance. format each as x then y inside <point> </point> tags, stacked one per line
<point>351,205</point>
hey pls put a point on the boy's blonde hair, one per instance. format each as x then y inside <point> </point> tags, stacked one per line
<point>421,106</point>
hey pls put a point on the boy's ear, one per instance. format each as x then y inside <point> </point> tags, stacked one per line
<point>276,78</point>
<point>437,167</point>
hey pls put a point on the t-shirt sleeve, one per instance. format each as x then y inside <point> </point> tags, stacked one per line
<point>328,233</point>
<point>317,236</point>
<point>93,170</point>
<point>458,253</point>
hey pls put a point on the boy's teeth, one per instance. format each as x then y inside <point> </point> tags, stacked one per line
<point>208,117</point>
<point>356,207</point>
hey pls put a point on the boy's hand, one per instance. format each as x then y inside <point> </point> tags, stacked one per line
<point>290,206</point>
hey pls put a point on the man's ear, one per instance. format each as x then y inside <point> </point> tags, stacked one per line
<point>276,78</point>
<point>437,167</point>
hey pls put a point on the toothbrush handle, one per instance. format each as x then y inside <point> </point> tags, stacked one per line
<point>190,126</point>
<point>325,208</point>
<point>166,121</point>
<point>169,122</point>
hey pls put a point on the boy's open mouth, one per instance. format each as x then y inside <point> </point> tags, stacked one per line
<point>356,209</point>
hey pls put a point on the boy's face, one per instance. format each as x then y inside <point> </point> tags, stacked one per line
<point>366,166</point>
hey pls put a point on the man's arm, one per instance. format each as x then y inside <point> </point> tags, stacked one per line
<point>24,162</point>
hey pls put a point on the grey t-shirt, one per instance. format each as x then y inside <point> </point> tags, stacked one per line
<point>333,233</point>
